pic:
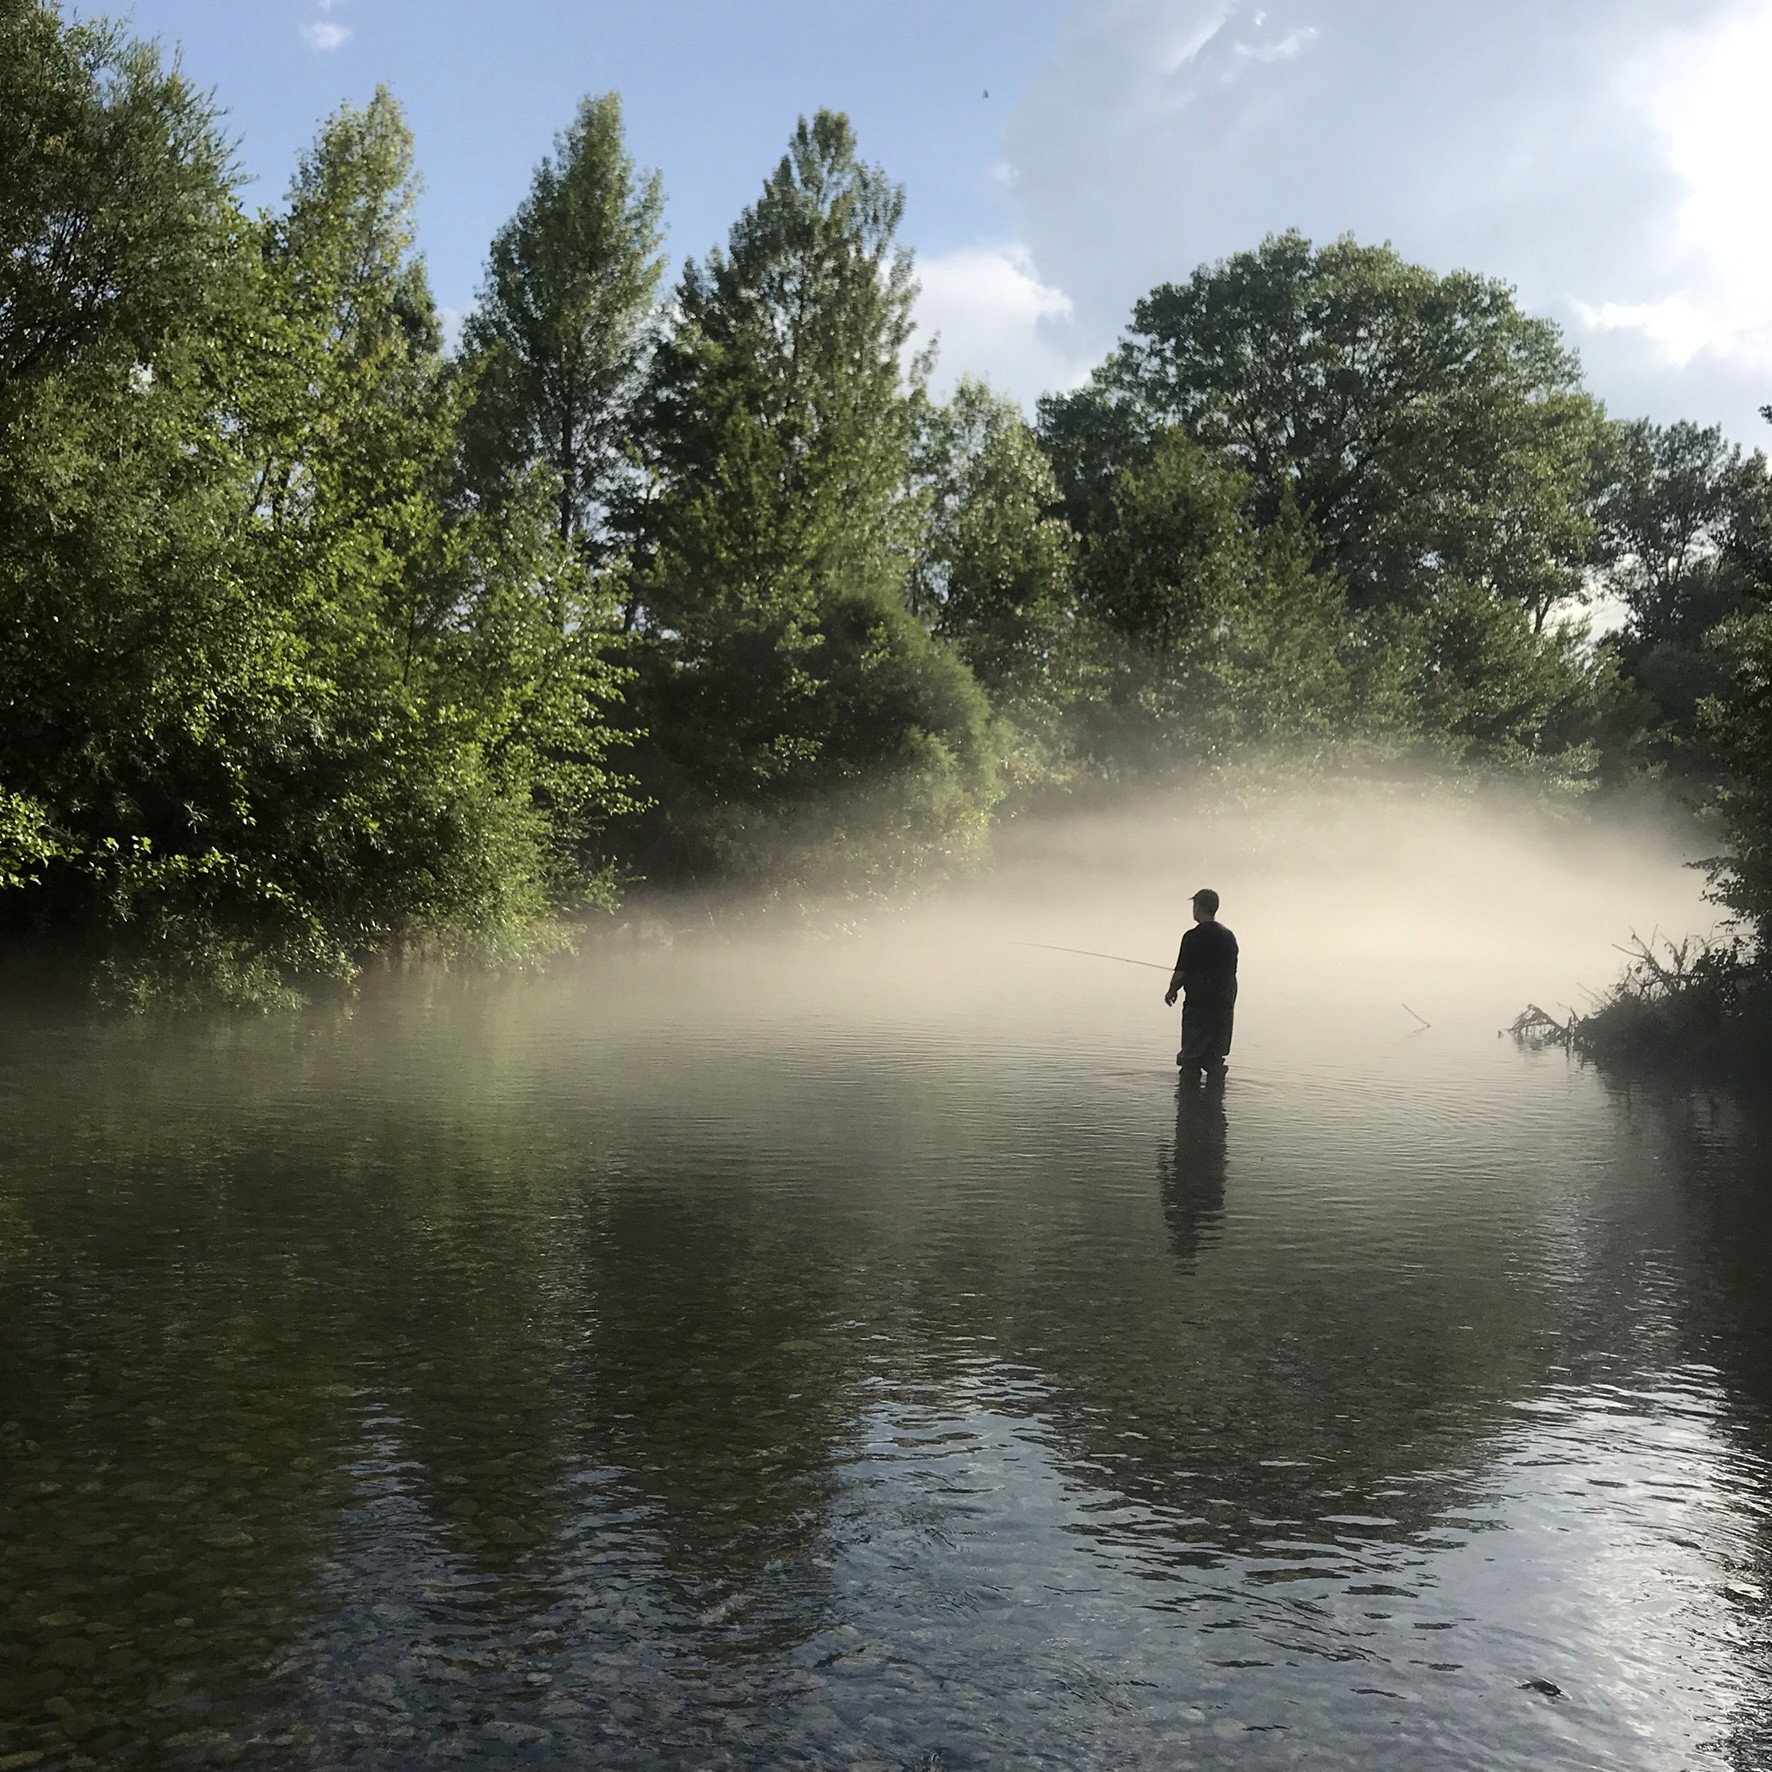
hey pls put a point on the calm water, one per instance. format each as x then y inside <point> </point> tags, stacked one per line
<point>686,1365</point>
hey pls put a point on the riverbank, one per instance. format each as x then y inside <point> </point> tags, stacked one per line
<point>1697,1010</point>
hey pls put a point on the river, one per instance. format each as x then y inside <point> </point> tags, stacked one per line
<point>858,1353</point>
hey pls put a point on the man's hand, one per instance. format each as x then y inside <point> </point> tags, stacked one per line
<point>1170,995</point>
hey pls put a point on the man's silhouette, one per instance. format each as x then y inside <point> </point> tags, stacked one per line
<point>1206,979</point>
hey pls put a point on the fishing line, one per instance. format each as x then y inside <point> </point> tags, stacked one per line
<point>1091,954</point>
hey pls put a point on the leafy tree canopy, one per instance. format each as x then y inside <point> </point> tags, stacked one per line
<point>781,424</point>
<point>1421,424</point>
<point>781,672</point>
<point>996,564</point>
<point>1676,502</point>
<point>318,640</point>
<point>1214,632</point>
<point>1681,516</point>
<point>559,338</point>
<point>115,204</point>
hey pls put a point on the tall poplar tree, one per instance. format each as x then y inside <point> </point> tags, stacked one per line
<point>354,414</point>
<point>781,411</point>
<point>560,335</point>
<point>449,787</point>
<point>796,708</point>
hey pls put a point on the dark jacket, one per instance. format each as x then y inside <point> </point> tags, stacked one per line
<point>1207,963</point>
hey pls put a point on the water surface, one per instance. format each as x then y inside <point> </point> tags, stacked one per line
<point>718,1359</point>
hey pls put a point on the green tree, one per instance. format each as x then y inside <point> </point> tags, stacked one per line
<point>1431,443</point>
<point>996,567</point>
<point>1679,519</point>
<point>1215,633</point>
<point>114,203</point>
<point>1736,724</point>
<point>457,775</point>
<point>125,285</point>
<point>350,423</point>
<point>1479,687</point>
<point>781,418</point>
<point>271,704</point>
<point>784,687</point>
<point>559,338</point>
<point>362,793</point>
<point>1675,498</point>
<point>1421,424</point>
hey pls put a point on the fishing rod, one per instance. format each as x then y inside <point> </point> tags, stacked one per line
<point>1090,954</point>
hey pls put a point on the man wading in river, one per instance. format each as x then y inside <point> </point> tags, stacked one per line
<point>1206,979</point>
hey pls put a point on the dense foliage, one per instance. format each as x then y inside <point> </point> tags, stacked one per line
<point>277,696</point>
<point>1425,445</point>
<point>1678,525</point>
<point>1689,522</point>
<point>321,641</point>
<point>798,721</point>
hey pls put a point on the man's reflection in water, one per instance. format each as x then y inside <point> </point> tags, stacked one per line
<point>1191,1174</point>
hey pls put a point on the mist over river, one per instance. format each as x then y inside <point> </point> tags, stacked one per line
<point>857,1353</point>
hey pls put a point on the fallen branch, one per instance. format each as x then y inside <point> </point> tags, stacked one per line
<point>1538,1027</point>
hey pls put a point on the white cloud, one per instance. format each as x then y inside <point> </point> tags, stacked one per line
<point>1678,327</point>
<point>1192,39</point>
<point>1293,43</point>
<point>1607,157</point>
<point>995,317</point>
<point>325,34</point>
<point>1704,96</point>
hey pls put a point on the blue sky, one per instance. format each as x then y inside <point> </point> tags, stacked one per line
<point>1611,158</point>
<point>710,91</point>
